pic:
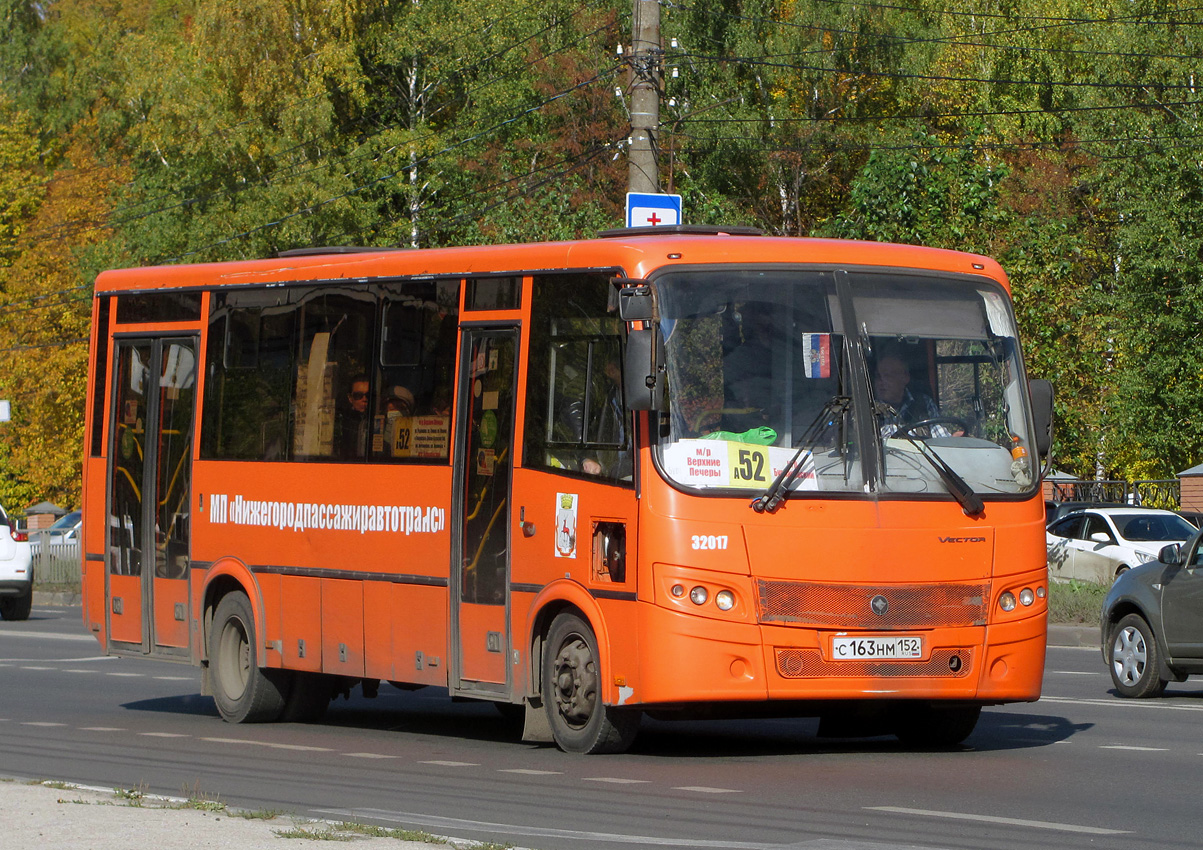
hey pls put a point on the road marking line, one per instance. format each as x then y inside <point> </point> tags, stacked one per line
<point>616,780</point>
<point>268,744</point>
<point>703,789</point>
<point>441,763</point>
<point>36,668</point>
<point>101,729</point>
<point>1134,749</point>
<point>81,671</point>
<point>1123,703</point>
<point>174,678</point>
<point>528,772</point>
<point>1035,824</point>
<point>126,675</point>
<point>47,636</point>
<point>46,723</point>
<point>164,735</point>
<point>1074,673</point>
<point>370,756</point>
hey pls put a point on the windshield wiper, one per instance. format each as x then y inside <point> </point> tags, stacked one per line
<point>772,497</point>
<point>971,503</point>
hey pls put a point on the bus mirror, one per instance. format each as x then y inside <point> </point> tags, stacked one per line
<point>635,301</point>
<point>1041,392</point>
<point>643,378</point>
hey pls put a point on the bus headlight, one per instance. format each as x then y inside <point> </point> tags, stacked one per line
<point>1007,601</point>
<point>1026,597</point>
<point>725,600</point>
<point>698,595</point>
<point>678,590</point>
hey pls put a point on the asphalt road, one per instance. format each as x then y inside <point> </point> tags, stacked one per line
<point>1081,768</point>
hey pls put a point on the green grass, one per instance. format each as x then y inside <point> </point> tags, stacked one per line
<point>1075,602</point>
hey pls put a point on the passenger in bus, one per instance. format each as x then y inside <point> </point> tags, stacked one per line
<point>607,428</point>
<point>353,420</point>
<point>747,370</point>
<point>900,402</point>
<point>398,403</point>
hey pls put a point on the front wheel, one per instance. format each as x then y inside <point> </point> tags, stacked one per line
<point>926,725</point>
<point>1133,660</point>
<point>572,693</point>
<point>243,692</point>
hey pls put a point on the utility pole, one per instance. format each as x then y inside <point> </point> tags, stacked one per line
<point>643,173</point>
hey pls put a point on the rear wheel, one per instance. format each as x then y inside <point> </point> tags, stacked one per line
<point>1133,660</point>
<point>926,725</point>
<point>572,693</point>
<point>243,692</point>
<point>309,696</point>
<point>17,607</point>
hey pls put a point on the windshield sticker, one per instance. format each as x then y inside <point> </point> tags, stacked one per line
<point>715,463</point>
<point>816,352</point>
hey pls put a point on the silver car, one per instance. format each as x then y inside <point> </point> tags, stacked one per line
<point>16,572</point>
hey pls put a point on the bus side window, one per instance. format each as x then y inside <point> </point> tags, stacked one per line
<point>577,420</point>
<point>248,392</point>
<point>333,402</point>
<point>415,371</point>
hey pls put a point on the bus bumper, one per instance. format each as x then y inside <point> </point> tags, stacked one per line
<point>697,659</point>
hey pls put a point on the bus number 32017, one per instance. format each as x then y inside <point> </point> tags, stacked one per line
<point>709,541</point>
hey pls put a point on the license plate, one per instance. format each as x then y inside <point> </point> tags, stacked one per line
<point>897,648</point>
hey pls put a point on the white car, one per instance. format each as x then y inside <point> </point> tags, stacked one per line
<point>16,572</point>
<point>1101,543</point>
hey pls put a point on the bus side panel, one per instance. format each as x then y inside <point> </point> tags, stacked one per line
<point>568,539</point>
<point>93,543</point>
<point>342,626</point>
<point>300,614</point>
<point>171,612</point>
<point>126,593</point>
<point>405,633</point>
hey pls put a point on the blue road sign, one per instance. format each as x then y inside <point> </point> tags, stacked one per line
<point>647,210</point>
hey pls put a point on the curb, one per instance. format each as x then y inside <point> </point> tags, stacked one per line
<point>57,599</point>
<point>1073,635</point>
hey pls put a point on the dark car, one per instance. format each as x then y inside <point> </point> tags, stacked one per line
<point>1152,621</point>
<point>1056,510</point>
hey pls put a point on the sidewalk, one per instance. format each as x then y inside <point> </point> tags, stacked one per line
<point>65,817</point>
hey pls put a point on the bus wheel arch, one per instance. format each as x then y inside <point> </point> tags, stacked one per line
<point>572,689</point>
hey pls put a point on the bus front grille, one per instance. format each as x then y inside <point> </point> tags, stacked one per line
<point>810,664</point>
<point>844,606</point>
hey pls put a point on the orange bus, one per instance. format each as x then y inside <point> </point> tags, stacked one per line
<point>691,471</point>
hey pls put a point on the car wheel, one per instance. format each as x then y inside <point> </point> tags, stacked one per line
<point>17,607</point>
<point>1134,661</point>
<point>1123,568</point>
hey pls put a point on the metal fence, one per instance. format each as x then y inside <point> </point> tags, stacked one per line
<point>1162,493</point>
<point>54,563</point>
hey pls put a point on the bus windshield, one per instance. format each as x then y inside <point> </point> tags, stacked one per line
<point>765,365</point>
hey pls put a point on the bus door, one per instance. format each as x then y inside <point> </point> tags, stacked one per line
<point>150,473</point>
<point>480,614</point>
